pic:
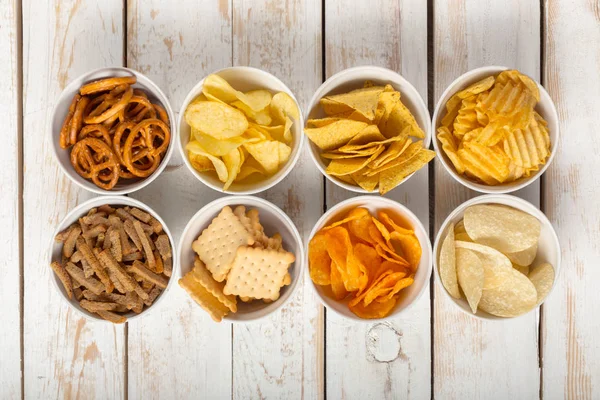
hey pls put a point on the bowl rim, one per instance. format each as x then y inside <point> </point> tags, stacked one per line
<point>261,186</point>
<point>282,217</point>
<point>457,85</point>
<point>132,187</point>
<point>415,96</point>
<point>494,199</point>
<point>81,209</point>
<point>400,208</point>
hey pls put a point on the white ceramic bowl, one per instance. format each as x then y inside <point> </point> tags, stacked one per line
<point>243,79</point>
<point>81,210</point>
<point>398,212</point>
<point>60,111</point>
<point>545,108</point>
<point>548,246</point>
<point>354,78</point>
<point>274,220</point>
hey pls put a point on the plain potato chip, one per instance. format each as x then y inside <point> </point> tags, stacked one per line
<point>233,162</point>
<point>337,284</point>
<point>523,257</point>
<point>216,119</point>
<point>319,261</point>
<point>504,228</point>
<point>522,269</point>
<point>283,106</point>
<point>447,264</point>
<point>469,270</point>
<point>268,154</point>
<point>261,117</point>
<point>200,163</point>
<point>195,148</point>
<point>542,277</point>
<point>218,147</point>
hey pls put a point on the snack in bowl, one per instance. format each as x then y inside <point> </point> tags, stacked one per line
<point>114,260</point>
<point>235,259</point>
<point>492,133</point>
<point>367,136</point>
<point>114,132</point>
<point>239,136</point>
<point>366,260</point>
<point>490,257</point>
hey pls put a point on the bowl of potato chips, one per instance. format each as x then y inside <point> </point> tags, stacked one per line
<point>496,130</point>
<point>240,130</point>
<point>497,257</point>
<point>368,258</point>
<point>369,129</point>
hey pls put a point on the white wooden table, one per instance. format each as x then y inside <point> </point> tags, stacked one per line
<point>48,351</point>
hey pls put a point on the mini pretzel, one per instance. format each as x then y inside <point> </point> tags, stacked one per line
<point>106,84</point>
<point>76,121</point>
<point>97,131</point>
<point>104,172</point>
<point>110,106</point>
<point>66,128</point>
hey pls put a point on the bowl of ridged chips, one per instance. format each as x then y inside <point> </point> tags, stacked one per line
<point>369,129</point>
<point>240,130</point>
<point>496,130</point>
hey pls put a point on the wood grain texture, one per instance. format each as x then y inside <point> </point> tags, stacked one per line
<point>10,298</point>
<point>570,346</point>
<point>473,358</point>
<point>282,356</point>
<point>178,351</point>
<point>390,360</point>
<point>66,356</point>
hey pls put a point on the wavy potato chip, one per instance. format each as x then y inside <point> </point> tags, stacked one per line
<point>469,270</point>
<point>542,277</point>
<point>216,119</point>
<point>447,264</point>
<point>504,228</point>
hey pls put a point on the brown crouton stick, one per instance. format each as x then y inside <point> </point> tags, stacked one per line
<point>64,277</point>
<point>132,233</point>
<point>152,295</point>
<point>145,244</point>
<point>140,269</point>
<point>70,241</point>
<point>91,259</point>
<point>93,306</point>
<point>163,246</point>
<point>129,284</point>
<point>112,317</point>
<point>90,283</point>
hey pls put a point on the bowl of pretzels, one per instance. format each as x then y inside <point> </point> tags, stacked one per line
<point>112,131</point>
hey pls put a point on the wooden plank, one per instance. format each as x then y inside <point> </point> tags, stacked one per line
<point>282,357</point>
<point>392,359</point>
<point>569,334</point>
<point>10,281</point>
<point>65,355</point>
<point>178,351</point>
<point>472,358</point>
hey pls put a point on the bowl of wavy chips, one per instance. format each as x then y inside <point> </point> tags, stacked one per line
<point>240,130</point>
<point>368,258</point>
<point>112,131</point>
<point>112,258</point>
<point>497,257</point>
<point>496,130</point>
<point>369,129</point>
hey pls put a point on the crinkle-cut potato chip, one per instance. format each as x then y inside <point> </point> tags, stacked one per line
<point>218,120</point>
<point>469,270</point>
<point>319,261</point>
<point>195,148</point>
<point>504,228</point>
<point>334,135</point>
<point>499,138</point>
<point>347,166</point>
<point>450,148</point>
<point>542,277</point>
<point>447,265</point>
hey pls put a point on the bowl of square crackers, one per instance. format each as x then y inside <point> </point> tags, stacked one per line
<point>240,258</point>
<point>112,258</point>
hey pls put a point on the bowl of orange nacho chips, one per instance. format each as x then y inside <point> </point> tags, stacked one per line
<point>240,259</point>
<point>240,130</point>
<point>369,258</point>
<point>368,129</point>
<point>496,130</point>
